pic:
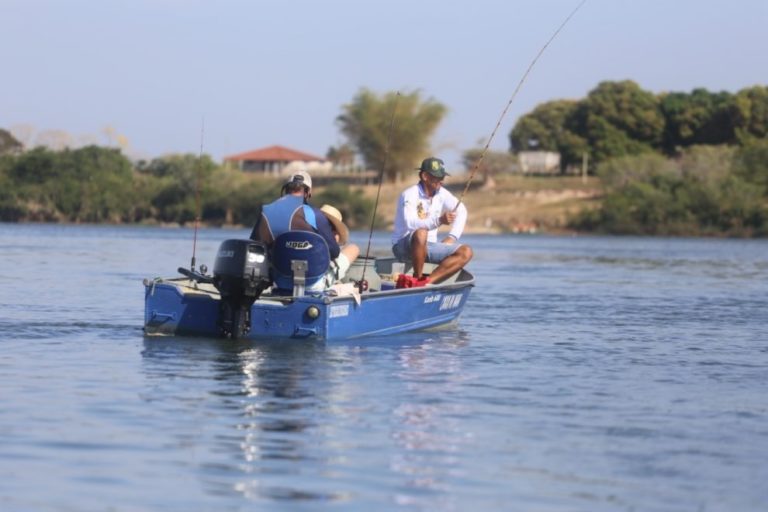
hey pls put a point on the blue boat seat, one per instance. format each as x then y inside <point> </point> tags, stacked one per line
<point>299,260</point>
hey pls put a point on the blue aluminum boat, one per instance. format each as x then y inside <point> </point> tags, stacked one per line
<point>210,305</point>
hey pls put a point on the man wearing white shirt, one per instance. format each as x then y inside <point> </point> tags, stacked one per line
<point>421,210</point>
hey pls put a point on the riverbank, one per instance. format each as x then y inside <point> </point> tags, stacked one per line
<point>513,204</point>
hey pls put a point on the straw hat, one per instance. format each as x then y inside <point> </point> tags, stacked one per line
<point>334,216</point>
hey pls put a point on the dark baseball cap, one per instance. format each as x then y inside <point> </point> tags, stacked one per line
<point>433,166</point>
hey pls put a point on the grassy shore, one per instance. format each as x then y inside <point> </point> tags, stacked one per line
<point>513,204</point>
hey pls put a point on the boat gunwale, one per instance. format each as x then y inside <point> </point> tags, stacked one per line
<point>214,294</point>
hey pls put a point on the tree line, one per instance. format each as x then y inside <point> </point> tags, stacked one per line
<point>96,184</point>
<point>703,191</point>
<point>672,163</point>
<point>619,119</point>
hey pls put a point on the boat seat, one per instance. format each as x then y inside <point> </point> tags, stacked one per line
<point>299,260</point>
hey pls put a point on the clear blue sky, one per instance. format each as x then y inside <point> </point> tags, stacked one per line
<point>277,72</point>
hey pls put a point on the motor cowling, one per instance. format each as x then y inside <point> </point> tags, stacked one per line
<point>241,274</point>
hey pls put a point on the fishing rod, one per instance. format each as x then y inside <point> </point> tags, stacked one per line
<point>512,98</point>
<point>378,190</point>
<point>197,195</point>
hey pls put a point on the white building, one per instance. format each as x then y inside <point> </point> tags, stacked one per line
<point>539,162</point>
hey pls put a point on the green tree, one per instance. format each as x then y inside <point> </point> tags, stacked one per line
<point>615,119</point>
<point>753,103</point>
<point>8,143</point>
<point>543,127</point>
<point>700,117</point>
<point>708,164</point>
<point>355,208</point>
<point>35,166</point>
<point>366,122</point>
<point>11,209</point>
<point>28,177</point>
<point>642,197</point>
<point>143,189</point>
<point>706,191</point>
<point>607,141</point>
<point>186,168</point>
<point>90,184</point>
<point>98,182</point>
<point>629,108</point>
<point>236,198</point>
<point>342,157</point>
<point>180,182</point>
<point>618,119</point>
<point>621,171</point>
<point>548,128</point>
<point>751,164</point>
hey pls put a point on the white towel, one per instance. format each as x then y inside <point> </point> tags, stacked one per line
<point>345,290</point>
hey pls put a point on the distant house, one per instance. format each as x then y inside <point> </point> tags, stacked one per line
<point>539,162</point>
<point>277,161</point>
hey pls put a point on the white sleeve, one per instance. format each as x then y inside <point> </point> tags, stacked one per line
<point>449,204</point>
<point>457,228</point>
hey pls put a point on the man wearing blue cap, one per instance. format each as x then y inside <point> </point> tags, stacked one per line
<point>421,210</point>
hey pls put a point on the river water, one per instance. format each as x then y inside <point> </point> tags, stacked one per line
<point>586,374</point>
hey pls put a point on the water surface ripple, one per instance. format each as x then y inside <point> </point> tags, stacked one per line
<point>586,374</point>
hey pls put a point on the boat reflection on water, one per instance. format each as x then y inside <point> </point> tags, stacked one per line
<point>305,421</point>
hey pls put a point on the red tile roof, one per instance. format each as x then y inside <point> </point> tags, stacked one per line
<point>274,154</point>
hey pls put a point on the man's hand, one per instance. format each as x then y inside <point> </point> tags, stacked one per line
<point>448,217</point>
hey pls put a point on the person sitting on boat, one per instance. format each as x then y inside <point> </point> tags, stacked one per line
<point>349,252</point>
<point>292,212</point>
<point>421,210</point>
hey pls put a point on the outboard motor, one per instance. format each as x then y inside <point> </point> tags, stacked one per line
<point>240,273</point>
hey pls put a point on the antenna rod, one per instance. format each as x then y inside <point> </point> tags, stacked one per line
<point>197,194</point>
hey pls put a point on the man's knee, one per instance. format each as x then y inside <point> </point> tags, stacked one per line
<point>419,237</point>
<point>465,253</point>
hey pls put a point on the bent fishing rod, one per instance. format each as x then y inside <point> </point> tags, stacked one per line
<point>378,190</point>
<point>512,98</point>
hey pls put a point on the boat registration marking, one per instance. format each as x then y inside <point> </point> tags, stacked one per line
<point>339,310</point>
<point>431,298</point>
<point>450,302</point>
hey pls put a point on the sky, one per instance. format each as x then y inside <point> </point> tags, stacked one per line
<point>171,76</point>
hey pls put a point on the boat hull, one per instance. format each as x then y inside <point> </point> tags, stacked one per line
<point>182,307</point>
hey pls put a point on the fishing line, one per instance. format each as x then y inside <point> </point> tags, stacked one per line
<point>378,190</point>
<point>512,98</point>
<point>197,194</point>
